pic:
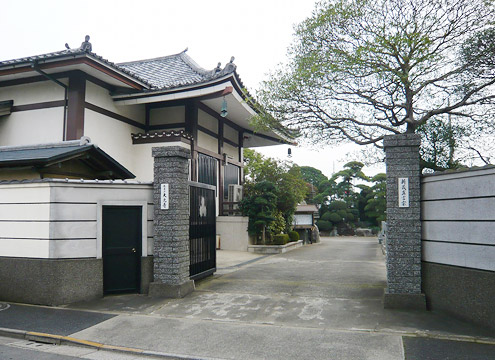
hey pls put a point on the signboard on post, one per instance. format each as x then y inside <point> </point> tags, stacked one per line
<point>403,192</point>
<point>164,196</point>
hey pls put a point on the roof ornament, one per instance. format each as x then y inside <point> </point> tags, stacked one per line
<point>230,67</point>
<point>86,45</point>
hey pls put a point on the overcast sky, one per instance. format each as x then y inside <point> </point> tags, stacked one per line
<point>256,32</point>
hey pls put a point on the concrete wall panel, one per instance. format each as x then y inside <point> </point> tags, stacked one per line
<point>470,232</point>
<point>464,255</point>
<point>69,249</point>
<point>27,248</point>
<point>464,209</point>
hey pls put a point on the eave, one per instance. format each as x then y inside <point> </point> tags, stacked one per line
<point>84,62</point>
<point>210,95</point>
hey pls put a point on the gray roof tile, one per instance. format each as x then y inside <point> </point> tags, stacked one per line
<point>174,71</point>
<point>70,53</point>
<point>160,73</point>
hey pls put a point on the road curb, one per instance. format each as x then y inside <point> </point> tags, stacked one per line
<point>67,340</point>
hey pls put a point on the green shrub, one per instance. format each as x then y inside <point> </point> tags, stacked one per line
<point>293,235</point>
<point>337,205</point>
<point>327,216</point>
<point>280,239</point>
<point>324,225</point>
<point>335,218</point>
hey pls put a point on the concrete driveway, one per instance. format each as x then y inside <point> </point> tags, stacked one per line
<point>322,301</point>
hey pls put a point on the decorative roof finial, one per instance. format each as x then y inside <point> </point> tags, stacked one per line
<point>86,45</point>
<point>230,67</point>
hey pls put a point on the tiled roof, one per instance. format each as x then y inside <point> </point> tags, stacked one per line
<point>174,71</point>
<point>44,154</point>
<point>67,53</point>
<point>159,73</point>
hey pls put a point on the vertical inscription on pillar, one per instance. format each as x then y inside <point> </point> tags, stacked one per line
<point>403,192</point>
<point>164,197</point>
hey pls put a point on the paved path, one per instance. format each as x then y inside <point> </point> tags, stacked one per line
<point>322,301</point>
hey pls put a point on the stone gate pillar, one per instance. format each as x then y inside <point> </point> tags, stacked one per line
<point>171,223</point>
<point>403,223</point>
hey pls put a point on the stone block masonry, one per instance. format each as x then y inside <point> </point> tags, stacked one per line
<point>171,226</point>
<point>403,224</point>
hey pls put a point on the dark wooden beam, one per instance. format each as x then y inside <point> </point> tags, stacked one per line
<point>113,115</point>
<point>220,168</point>
<point>75,107</point>
<point>37,106</point>
<point>191,127</point>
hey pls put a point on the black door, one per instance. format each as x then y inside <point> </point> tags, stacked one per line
<point>121,237</point>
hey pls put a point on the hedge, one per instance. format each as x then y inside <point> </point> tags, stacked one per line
<point>280,239</point>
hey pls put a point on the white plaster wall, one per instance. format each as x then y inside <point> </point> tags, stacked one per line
<point>99,96</point>
<point>207,121</point>
<point>32,93</point>
<point>207,142</point>
<point>167,115</point>
<point>231,151</point>
<point>32,127</point>
<point>112,136</point>
<point>231,134</point>
<point>143,161</point>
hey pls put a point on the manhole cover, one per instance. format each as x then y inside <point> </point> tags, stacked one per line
<point>4,306</point>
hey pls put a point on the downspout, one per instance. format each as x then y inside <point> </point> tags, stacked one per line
<point>35,67</point>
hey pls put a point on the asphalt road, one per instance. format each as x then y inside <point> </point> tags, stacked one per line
<point>48,320</point>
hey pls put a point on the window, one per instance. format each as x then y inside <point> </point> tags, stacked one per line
<point>207,169</point>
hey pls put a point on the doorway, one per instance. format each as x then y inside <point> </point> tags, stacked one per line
<point>121,248</point>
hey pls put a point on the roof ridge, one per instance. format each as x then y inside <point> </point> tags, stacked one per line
<point>84,141</point>
<point>151,59</point>
<point>195,66</point>
<point>40,56</point>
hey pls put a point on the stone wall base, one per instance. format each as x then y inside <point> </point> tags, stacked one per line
<point>404,301</point>
<point>467,294</point>
<point>146,273</point>
<point>161,290</point>
<point>50,281</point>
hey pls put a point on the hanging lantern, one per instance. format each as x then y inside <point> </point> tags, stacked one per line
<point>223,112</point>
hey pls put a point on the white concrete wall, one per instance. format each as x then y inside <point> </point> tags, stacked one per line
<point>458,219</point>
<point>63,219</point>
<point>233,232</point>
<point>24,215</point>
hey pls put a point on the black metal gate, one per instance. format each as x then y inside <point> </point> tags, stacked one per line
<point>202,230</point>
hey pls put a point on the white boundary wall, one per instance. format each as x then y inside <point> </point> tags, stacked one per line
<point>458,218</point>
<point>61,219</point>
